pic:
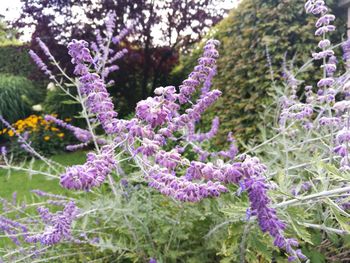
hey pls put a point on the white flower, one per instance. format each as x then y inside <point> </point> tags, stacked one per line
<point>37,107</point>
<point>51,87</point>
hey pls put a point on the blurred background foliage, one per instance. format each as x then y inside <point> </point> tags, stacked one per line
<point>17,95</point>
<point>151,55</point>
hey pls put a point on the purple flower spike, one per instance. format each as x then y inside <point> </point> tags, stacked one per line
<point>38,61</point>
<point>182,189</point>
<point>206,67</point>
<point>58,225</point>
<point>92,173</point>
<point>80,134</point>
<point>256,186</point>
<point>92,86</point>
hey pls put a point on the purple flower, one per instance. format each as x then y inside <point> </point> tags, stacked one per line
<point>13,229</point>
<point>343,136</point>
<point>44,48</point>
<point>122,34</point>
<point>202,104</point>
<point>346,50</point>
<point>80,134</point>
<point>232,151</point>
<point>92,173</point>
<point>323,54</point>
<point>148,147</point>
<point>256,186</point>
<point>78,50</point>
<point>49,195</point>
<point>182,189</point>
<point>168,160</point>
<point>58,225</point>
<point>325,20</point>
<point>118,55</point>
<point>342,150</point>
<point>200,137</point>
<point>92,86</point>
<point>324,43</point>
<point>330,66</point>
<point>324,29</point>
<point>329,121</point>
<point>341,106</point>
<point>152,111</point>
<point>109,70</point>
<point>110,23</point>
<point>38,61</point>
<point>316,7</point>
<point>158,110</point>
<point>325,82</point>
<point>3,151</point>
<point>203,72</point>
<point>227,174</point>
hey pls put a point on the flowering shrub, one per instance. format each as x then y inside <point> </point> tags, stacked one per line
<point>44,136</point>
<point>300,188</point>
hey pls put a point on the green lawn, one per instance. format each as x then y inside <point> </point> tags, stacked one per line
<point>22,183</point>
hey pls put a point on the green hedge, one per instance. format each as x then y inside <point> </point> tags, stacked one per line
<point>243,71</point>
<point>15,60</point>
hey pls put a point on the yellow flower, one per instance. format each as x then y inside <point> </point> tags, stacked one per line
<point>11,133</point>
<point>46,138</point>
<point>61,135</point>
<point>54,129</point>
<point>43,122</point>
<point>67,119</point>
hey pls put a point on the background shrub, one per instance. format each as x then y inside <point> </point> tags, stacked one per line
<point>57,102</point>
<point>244,74</point>
<point>14,59</point>
<point>17,95</point>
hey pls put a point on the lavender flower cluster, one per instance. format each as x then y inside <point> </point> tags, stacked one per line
<point>92,173</point>
<point>256,186</point>
<point>57,226</point>
<point>157,121</point>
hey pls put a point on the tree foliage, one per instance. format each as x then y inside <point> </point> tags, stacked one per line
<point>161,29</point>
